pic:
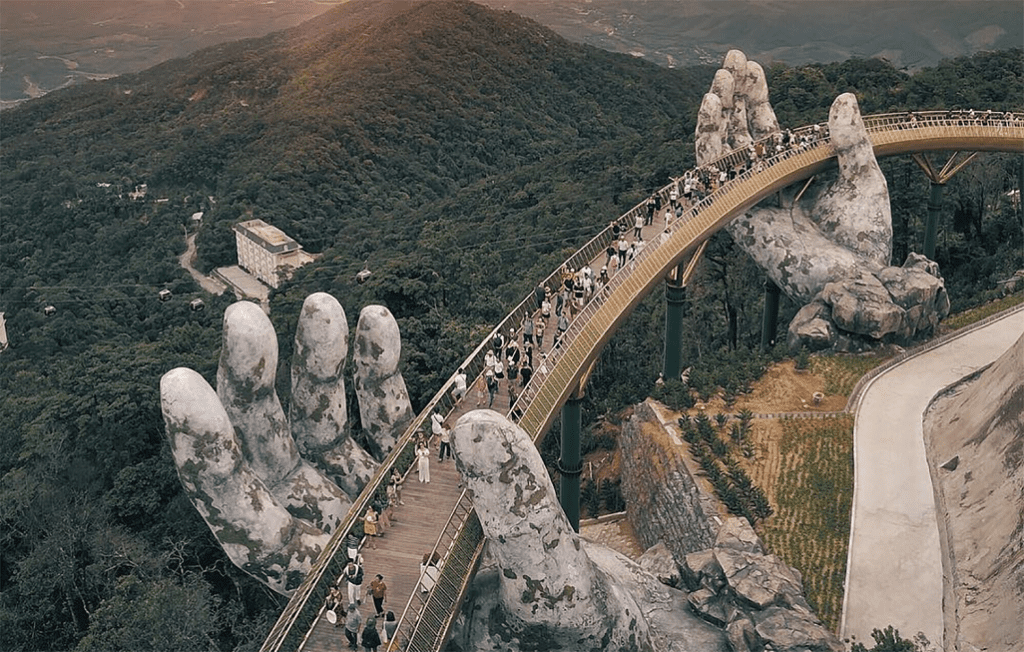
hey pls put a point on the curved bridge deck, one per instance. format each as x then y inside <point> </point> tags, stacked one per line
<point>439,516</point>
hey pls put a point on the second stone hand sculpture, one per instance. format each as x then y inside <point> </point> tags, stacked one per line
<point>272,489</point>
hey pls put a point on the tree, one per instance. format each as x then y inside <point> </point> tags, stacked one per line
<point>166,615</point>
<point>887,640</point>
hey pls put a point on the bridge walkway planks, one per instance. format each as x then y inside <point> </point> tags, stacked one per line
<point>398,553</point>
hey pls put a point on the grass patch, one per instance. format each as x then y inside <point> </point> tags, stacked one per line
<point>974,315</point>
<point>841,371</point>
<point>813,493</point>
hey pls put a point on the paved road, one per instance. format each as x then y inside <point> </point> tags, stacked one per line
<point>211,285</point>
<point>894,573</point>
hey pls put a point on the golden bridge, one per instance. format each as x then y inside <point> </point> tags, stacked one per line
<point>438,517</point>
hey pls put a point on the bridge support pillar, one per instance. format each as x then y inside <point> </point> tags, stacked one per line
<point>675,310</point>
<point>570,464</point>
<point>938,179</point>
<point>931,227</point>
<point>770,320</point>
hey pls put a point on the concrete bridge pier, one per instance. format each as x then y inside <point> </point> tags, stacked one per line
<point>770,321</point>
<point>570,464</point>
<point>938,179</point>
<point>675,310</point>
<point>931,227</point>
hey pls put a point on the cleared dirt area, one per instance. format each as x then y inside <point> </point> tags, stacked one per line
<point>804,465</point>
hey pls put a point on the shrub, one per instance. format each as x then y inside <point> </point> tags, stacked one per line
<point>590,498</point>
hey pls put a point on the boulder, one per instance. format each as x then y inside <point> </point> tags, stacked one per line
<point>742,636</point>
<point>702,569</point>
<point>861,305</point>
<point>760,581</point>
<point>658,561</point>
<point>709,606</point>
<point>785,631</point>
<point>737,534</point>
<point>812,328</point>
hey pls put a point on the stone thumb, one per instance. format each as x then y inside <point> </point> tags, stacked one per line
<point>855,210</point>
<point>545,575</point>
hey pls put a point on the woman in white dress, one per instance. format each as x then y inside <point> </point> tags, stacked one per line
<point>423,462</point>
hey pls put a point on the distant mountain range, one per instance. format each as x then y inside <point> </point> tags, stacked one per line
<point>53,43</point>
<point>911,34</point>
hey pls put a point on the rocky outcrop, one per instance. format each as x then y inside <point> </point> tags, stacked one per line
<point>894,304</point>
<point>663,502</point>
<point>975,442</point>
<point>754,596</point>
<point>380,389</point>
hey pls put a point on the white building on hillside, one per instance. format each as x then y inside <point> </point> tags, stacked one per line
<point>267,252</point>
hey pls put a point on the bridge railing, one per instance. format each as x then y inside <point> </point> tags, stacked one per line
<point>427,618</point>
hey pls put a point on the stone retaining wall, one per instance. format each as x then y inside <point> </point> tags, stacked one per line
<point>663,501</point>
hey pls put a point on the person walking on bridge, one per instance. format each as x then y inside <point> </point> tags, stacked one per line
<point>352,622</point>
<point>379,593</point>
<point>459,388</point>
<point>371,637</point>
<point>354,576</point>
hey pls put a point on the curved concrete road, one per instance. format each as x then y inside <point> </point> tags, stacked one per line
<point>894,570</point>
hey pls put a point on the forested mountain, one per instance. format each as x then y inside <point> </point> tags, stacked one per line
<point>458,152</point>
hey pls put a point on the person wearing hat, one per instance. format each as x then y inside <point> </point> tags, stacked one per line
<point>352,622</point>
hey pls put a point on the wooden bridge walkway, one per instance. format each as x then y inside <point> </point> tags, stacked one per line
<point>439,517</point>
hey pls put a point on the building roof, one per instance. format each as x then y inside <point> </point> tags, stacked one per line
<point>269,237</point>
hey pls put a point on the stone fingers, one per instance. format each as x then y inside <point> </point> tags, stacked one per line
<point>384,407</point>
<point>245,385</point>
<point>546,577</point>
<point>318,411</point>
<point>258,534</point>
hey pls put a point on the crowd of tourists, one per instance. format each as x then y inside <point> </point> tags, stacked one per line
<point>512,357</point>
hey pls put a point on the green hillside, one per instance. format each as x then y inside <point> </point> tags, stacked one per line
<point>457,151</point>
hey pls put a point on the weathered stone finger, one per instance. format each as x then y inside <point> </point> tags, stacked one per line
<point>711,138</point>
<point>318,410</point>
<point>384,407</point>
<point>735,114</point>
<point>546,577</point>
<point>258,534</point>
<point>761,120</point>
<point>245,385</point>
<point>854,211</point>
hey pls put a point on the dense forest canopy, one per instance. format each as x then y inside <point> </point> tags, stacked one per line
<point>459,152</point>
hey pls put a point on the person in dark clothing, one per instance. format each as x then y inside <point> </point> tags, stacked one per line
<point>371,637</point>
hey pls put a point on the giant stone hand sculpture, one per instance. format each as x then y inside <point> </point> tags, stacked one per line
<point>271,488</point>
<point>554,590</point>
<point>831,251</point>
